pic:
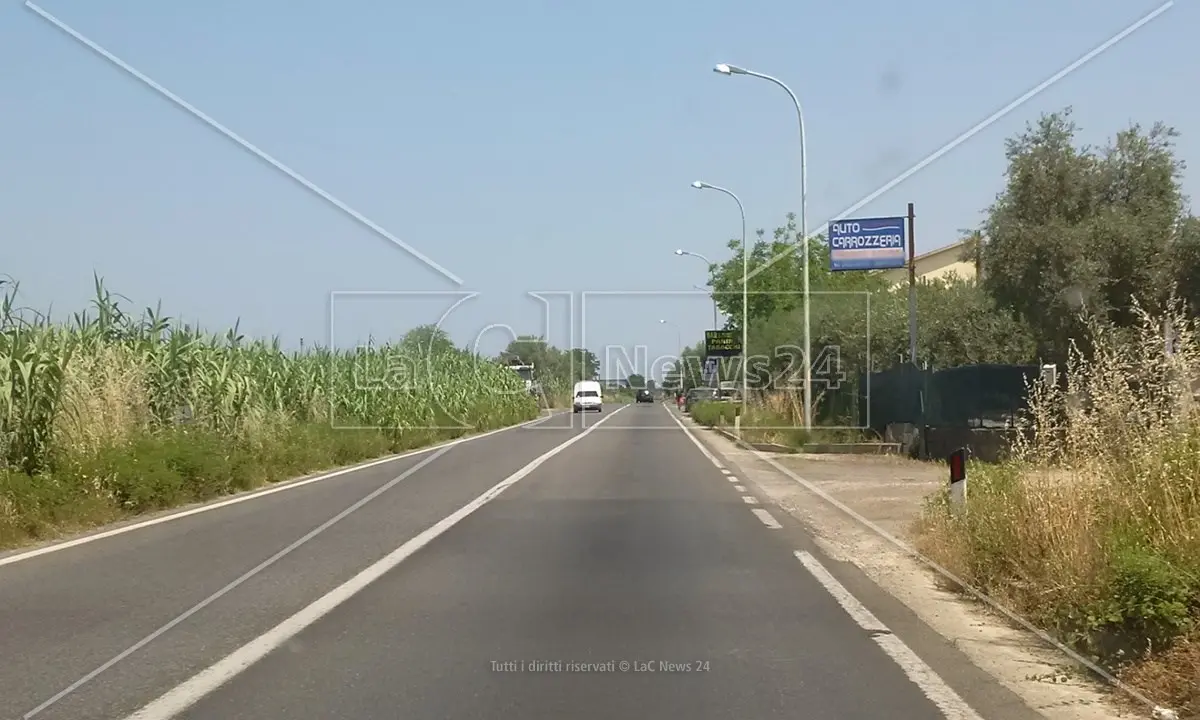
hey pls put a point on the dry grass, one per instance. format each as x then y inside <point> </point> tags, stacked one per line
<point>103,401</point>
<point>776,418</point>
<point>1092,530</point>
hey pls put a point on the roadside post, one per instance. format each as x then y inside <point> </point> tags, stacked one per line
<point>879,243</point>
<point>958,480</point>
<point>912,285</point>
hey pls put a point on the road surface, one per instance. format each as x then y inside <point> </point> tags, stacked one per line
<point>508,576</point>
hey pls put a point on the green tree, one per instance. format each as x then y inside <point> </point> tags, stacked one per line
<point>427,340</point>
<point>636,381</point>
<point>1185,261</point>
<point>972,251</point>
<point>777,287</point>
<point>1079,231</point>
<point>582,365</point>
<point>960,324</point>
<point>551,362</point>
<point>687,371</point>
<point>671,377</point>
<point>529,349</point>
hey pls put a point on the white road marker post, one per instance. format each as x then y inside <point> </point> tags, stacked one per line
<point>958,480</point>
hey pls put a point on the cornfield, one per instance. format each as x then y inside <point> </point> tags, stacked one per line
<point>105,380</point>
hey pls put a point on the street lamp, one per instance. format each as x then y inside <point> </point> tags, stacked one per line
<point>745,294</point>
<point>679,345</point>
<point>708,263</point>
<point>726,69</point>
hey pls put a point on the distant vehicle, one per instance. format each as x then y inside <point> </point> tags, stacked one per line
<point>645,396</point>
<point>698,395</point>
<point>588,396</point>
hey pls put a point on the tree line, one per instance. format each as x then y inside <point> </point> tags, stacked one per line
<point>1077,235</point>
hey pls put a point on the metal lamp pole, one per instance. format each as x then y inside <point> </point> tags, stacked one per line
<point>726,69</point>
<point>709,263</point>
<point>745,294</point>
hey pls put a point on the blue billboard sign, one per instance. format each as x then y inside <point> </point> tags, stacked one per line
<point>868,244</point>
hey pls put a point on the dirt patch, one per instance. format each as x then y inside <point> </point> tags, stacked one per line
<point>888,492</point>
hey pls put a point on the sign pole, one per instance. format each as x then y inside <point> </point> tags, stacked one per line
<point>912,287</point>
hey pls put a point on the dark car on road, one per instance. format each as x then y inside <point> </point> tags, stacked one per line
<point>645,396</point>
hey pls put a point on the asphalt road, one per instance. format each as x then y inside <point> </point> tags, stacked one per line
<point>626,545</point>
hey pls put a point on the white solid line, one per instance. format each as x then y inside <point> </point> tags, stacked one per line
<point>183,696</point>
<point>931,684</point>
<point>767,518</point>
<point>712,458</point>
<point>231,586</point>
<point>856,610</point>
<point>749,499</point>
<point>549,414</point>
<point>199,114</point>
<point>275,488</point>
<point>740,488</point>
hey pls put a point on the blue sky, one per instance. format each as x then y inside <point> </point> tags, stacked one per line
<point>525,146</point>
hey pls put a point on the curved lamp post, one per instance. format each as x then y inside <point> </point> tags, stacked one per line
<point>745,288</point>
<point>726,69</point>
<point>708,263</point>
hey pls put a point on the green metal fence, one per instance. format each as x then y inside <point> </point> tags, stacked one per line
<point>958,397</point>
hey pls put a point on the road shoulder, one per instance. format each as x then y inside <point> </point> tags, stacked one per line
<point>888,492</point>
<point>79,536</point>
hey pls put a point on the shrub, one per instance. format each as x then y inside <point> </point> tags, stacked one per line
<point>1092,528</point>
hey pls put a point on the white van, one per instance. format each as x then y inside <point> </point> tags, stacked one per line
<point>587,396</point>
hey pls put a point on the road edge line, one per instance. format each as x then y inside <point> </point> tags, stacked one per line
<point>707,453</point>
<point>273,488</point>
<point>932,686</point>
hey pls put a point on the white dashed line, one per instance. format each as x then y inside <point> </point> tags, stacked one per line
<point>740,488</point>
<point>731,479</point>
<point>767,518</point>
<point>939,693</point>
<point>749,499</point>
<point>727,472</point>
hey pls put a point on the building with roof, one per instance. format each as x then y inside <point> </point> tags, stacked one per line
<point>938,263</point>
